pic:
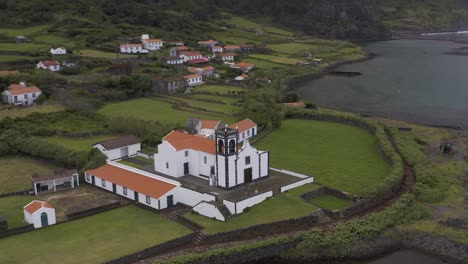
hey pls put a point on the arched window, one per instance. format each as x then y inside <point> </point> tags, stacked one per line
<point>232,146</point>
<point>220,146</point>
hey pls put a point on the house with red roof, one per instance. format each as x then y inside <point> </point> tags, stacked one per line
<point>227,56</point>
<point>242,77</point>
<point>194,79</point>
<point>246,128</point>
<point>243,66</point>
<point>151,44</point>
<point>132,48</point>
<point>190,55</point>
<point>48,65</point>
<point>39,213</point>
<point>217,49</point>
<point>207,71</point>
<point>232,48</point>
<point>208,43</point>
<point>20,94</point>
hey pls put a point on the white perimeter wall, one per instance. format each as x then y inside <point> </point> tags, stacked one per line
<point>192,198</point>
<point>230,206</point>
<point>239,207</point>
<point>297,184</point>
<point>209,210</point>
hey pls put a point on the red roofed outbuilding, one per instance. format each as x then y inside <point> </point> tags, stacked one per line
<point>39,214</point>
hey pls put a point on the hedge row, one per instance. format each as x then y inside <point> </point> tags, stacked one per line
<point>391,182</point>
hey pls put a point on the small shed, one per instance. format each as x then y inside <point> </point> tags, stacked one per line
<point>58,180</point>
<point>20,39</point>
<point>39,214</point>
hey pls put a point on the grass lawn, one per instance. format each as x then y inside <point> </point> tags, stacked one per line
<point>16,172</point>
<point>13,58</point>
<point>263,64</point>
<point>218,89</point>
<point>286,206</point>
<point>26,47</point>
<point>330,202</point>
<point>340,156</point>
<point>22,112</point>
<point>276,59</point>
<point>78,144</point>
<point>94,239</point>
<point>102,54</point>
<point>151,109</point>
<point>13,32</point>
<point>12,208</point>
<point>226,108</point>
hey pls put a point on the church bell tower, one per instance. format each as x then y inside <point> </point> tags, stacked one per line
<point>226,157</point>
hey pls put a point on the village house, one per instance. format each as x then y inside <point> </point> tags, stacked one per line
<point>48,65</point>
<point>247,48</point>
<point>21,39</point>
<point>176,43</point>
<point>39,214</point>
<point>170,85</point>
<point>242,77</point>
<point>243,66</point>
<point>191,56</point>
<point>208,43</point>
<point>58,180</point>
<point>119,148</point>
<point>204,128</point>
<point>194,79</point>
<point>232,48</point>
<point>58,51</point>
<point>227,56</point>
<point>317,61</point>
<point>20,94</point>
<point>152,44</point>
<point>176,51</point>
<point>132,48</point>
<point>246,128</point>
<point>217,49</point>
<point>207,71</point>
<point>174,60</point>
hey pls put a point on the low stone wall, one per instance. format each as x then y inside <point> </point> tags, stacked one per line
<point>76,214</point>
<point>3,222</point>
<point>330,191</point>
<point>25,192</point>
<point>16,231</point>
<point>155,250</point>
<point>263,230</point>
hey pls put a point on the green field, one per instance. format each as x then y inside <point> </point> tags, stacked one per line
<point>13,32</point>
<point>102,54</point>
<point>13,58</point>
<point>218,89</point>
<point>78,144</point>
<point>330,202</point>
<point>12,208</point>
<point>340,156</point>
<point>286,206</point>
<point>16,172</point>
<point>151,109</point>
<point>263,64</point>
<point>94,239</point>
<point>22,112</point>
<point>26,47</point>
<point>276,59</point>
<point>226,108</point>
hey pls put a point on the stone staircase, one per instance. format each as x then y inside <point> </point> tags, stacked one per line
<point>224,211</point>
<point>198,239</point>
<point>321,216</point>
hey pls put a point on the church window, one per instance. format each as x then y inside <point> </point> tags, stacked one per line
<point>247,160</point>
<point>220,146</point>
<point>232,146</point>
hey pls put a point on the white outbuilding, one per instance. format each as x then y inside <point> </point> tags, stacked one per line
<point>58,51</point>
<point>119,148</point>
<point>39,213</point>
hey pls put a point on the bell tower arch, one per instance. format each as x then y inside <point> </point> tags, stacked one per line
<point>226,156</point>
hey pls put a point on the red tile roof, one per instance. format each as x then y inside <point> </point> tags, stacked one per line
<point>197,61</point>
<point>244,65</point>
<point>16,89</point>
<point>232,47</point>
<point>244,125</point>
<point>180,141</point>
<point>182,48</point>
<point>192,76</point>
<point>137,182</point>
<point>49,63</point>
<point>208,68</point>
<point>209,124</point>
<point>152,40</point>
<point>191,53</point>
<point>35,205</point>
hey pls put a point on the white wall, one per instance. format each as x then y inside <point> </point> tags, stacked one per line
<point>248,134</point>
<point>297,184</point>
<point>192,198</point>
<point>115,154</point>
<point>35,218</point>
<point>295,174</point>
<point>209,210</point>
<point>252,201</point>
<point>230,206</point>
<point>21,98</point>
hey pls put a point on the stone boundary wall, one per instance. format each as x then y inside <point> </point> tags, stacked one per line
<point>263,230</point>
<point>17,231</point>
<point>93,211</point>
<point>3,222</point>
<point>25,192</point>
<point>330,191</point>
<point>155,250</point>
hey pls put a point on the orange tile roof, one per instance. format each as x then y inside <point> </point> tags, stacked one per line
<point>192,76</point>
<point>244,125</point>
<point>49,63</point>
<point>180,141</point>
<point>209,124</point>
<point>208,68</point>
<point>35,205</point>
<point>191,53</point>
<point>152,40</point>
<point>192,69</point>
<point>16,89</point>
<point>208,42</point>
<point>244,65</point>
<point>182,48</point>
<point>137,182</point>
<point>231,47</point>
<point>5,73</point>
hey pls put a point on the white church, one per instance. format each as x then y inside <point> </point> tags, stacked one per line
<point>220,158</point>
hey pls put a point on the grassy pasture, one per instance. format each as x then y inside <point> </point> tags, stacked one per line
<point>330,202</point>
<point>16,172</point>
<point>286,206</point>
<point>22,112</point>
<point>276,59</point>
<point>13,32</point>
<point>226,108</point>
<point>340,156</point>
<point>77,144</point>
<point>102,54</point>
<point>263,64</point>
<point>13,58</point>
<point>218,89</point>
<point>25,47</point>
<point>103,237</point>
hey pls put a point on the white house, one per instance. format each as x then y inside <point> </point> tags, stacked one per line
<point>204,71</point>
<point>49,65</point>
<point>242,77</point>
<point>194,79</point>
<point>191,55</point>
<point>20,94</point>
<point>119,148</point>
<point>218,161</point>
<point>39,213</point>
<point>174,60</point>
<point>152,44</point>
<point>58,180</point>
<point>227,56</point>
<point>207,128</point>
<point>132,48</point>
<point>217,49</point>
<point>58,51</point>
<point>247,129</point>
<point>243,66</point>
